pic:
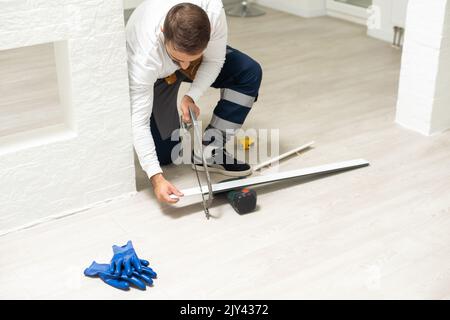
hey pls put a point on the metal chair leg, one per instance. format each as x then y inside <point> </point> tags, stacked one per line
<point>398,37</point>
<point>244,9</point>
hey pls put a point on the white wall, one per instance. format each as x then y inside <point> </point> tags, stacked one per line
<point>392,13</point>
<point>303,8</point>
<point>89,158</point>
<point>424,96</point>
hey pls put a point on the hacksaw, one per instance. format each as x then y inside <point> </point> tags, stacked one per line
<point>198,143</point>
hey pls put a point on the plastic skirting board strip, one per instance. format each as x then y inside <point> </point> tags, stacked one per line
<point>230,185</point>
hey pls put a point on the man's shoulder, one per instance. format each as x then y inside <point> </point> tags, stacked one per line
<point>143,27</point>
<point>212,6</point>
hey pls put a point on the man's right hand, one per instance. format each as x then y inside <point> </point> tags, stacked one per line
<point>163,189</point>
<point>185,105</point>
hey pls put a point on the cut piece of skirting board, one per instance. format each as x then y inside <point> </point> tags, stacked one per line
<point>230,185</point>
<point>282,156</point>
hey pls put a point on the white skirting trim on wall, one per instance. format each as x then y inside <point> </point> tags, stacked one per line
<point>347,17</point>
<point>86,209</point>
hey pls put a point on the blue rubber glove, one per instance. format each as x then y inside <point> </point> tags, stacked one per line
<point>122,281</point>
<point>125,260</point>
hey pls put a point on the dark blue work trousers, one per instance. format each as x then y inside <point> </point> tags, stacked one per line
<point>239,82</point>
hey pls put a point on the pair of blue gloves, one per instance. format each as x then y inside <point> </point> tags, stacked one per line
<point>125,269</point>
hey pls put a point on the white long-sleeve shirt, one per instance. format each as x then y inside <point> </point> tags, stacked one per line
<point>148,61</point>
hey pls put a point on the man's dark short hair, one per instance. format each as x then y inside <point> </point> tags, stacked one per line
<point>187,28</point>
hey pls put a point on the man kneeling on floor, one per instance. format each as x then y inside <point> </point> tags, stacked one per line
<point>169,42</point>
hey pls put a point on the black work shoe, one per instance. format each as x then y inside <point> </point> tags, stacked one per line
<point>224,163</point>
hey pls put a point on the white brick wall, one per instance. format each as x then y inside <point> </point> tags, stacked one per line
<point>91,161</point>
<point>424,99</point>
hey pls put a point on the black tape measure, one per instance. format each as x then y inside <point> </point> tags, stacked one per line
<point>242,200</point>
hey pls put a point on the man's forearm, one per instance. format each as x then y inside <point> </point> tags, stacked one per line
<point>141,108</point>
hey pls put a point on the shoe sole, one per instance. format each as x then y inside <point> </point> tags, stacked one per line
<point>224,172</point>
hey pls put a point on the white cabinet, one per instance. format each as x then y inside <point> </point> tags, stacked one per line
<point>391,13</point>
<point>399,8</point>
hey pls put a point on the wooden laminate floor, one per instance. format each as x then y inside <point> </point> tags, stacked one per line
<point>378,232</point>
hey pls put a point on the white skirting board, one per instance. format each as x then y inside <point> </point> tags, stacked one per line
<point>230,185</point>
<point>282,156</point>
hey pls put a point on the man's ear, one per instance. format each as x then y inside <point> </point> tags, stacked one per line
<point>162,29</point>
